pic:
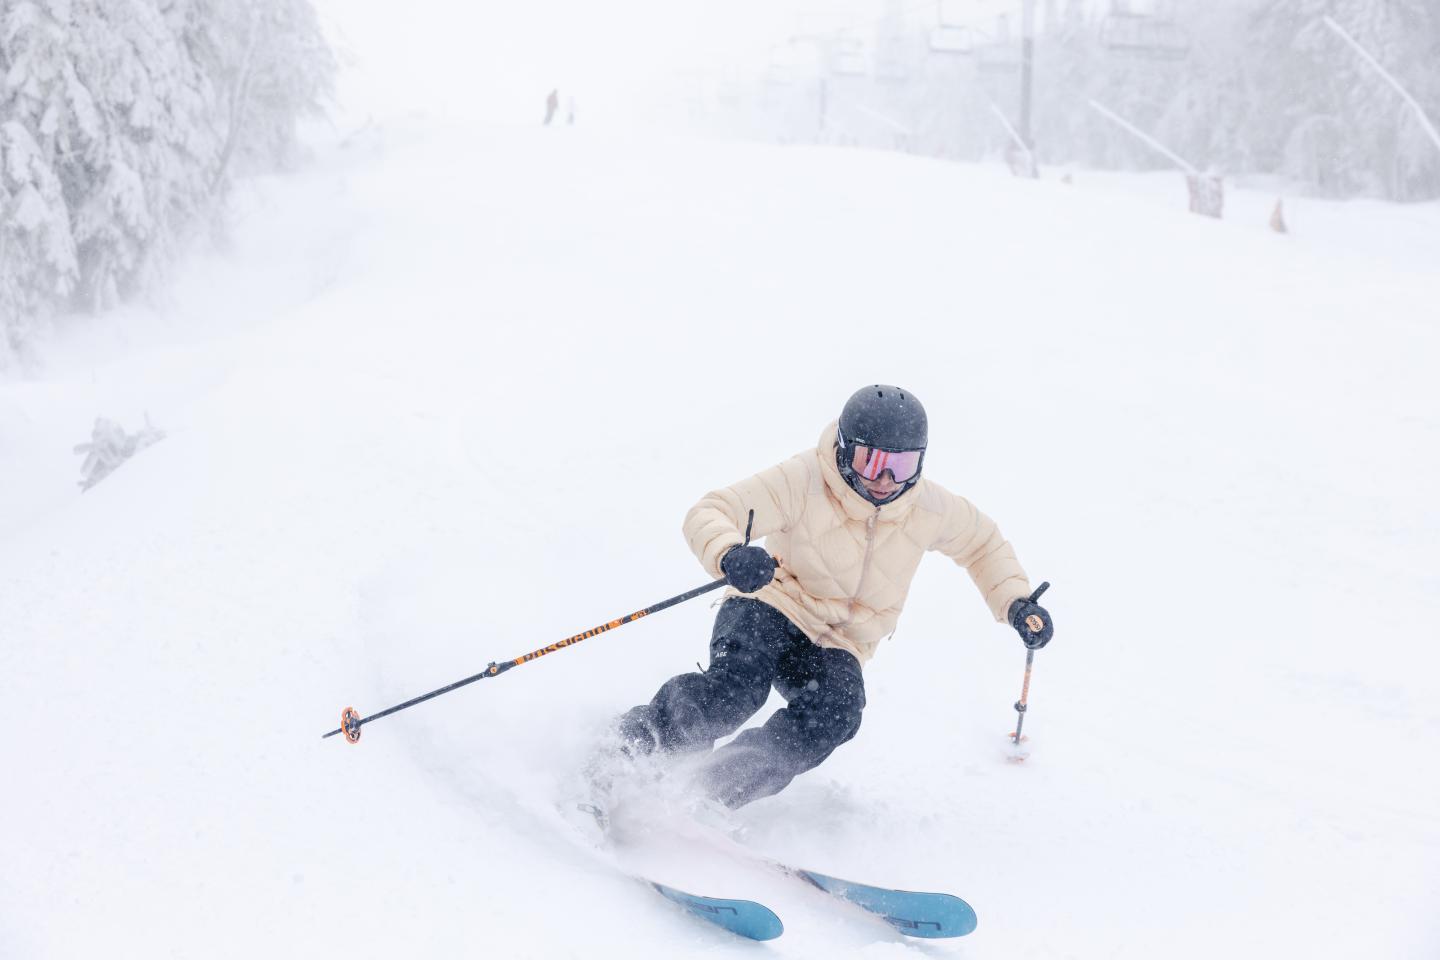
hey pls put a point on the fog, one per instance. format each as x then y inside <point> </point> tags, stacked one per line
<point>109,177</point>
<point>349,348</point>
<point>1243,88</point>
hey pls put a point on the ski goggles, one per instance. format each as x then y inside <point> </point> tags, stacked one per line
<point>870,462</point>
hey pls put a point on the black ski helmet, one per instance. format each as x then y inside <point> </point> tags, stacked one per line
<point>885,417</point>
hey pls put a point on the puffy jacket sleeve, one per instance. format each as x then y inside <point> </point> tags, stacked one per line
<point>717,522</point>
<point>974,542</point>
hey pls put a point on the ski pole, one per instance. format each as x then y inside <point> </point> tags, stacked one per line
<point>351,721</point>
<point>1020,705</point>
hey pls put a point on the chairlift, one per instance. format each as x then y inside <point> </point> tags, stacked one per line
<point>1144,35</point>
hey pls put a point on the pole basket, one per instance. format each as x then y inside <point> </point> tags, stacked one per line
<point>350,724</point>
<point>1207,194</point>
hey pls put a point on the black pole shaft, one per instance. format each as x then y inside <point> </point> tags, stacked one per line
<point>495,669</point>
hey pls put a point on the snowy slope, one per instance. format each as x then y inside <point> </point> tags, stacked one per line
<point>1219,444</point>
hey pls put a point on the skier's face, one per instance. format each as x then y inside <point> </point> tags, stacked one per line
<point>881,487</point>
<point>877,469</point>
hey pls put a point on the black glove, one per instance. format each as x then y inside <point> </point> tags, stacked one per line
<point>747,569</point>
<point>1021,611</point>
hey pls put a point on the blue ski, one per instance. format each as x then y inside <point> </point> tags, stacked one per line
<point>914,914</point>
<point>745,918</point>
<point>929,915</point>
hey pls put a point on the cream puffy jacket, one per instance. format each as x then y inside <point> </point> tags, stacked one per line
<point>843,565</point>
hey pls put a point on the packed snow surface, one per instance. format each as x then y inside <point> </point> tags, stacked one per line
<point>449,394</point>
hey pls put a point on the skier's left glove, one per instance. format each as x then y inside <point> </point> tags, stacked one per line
<point>1036,632</point>
<point>747,568</point>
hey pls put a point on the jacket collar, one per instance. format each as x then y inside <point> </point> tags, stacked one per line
<point>855,506</point>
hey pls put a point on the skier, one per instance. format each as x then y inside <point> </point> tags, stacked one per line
<point>846,524</point>
<point>552,104</point>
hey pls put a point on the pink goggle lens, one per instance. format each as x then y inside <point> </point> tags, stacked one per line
<point>870,463</point>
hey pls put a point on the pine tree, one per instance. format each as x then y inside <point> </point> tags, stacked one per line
<point>270,65</point>
<point>1324,117</point>
<point>40,93</point>
<point>121,122</point>
<point>141,181</point>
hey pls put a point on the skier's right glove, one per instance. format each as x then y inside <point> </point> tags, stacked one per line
<point>747,569</point>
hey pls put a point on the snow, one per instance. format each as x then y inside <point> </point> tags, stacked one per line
<point>446,400</point>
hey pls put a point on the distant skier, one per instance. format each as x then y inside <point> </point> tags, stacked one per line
<point>552,104</point>
<point>846,524</point>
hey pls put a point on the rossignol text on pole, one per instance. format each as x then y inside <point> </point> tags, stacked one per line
<point>351,721</point>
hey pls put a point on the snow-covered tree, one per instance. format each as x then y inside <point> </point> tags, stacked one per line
<point>120,124</point>
<point>270,64</point>
<point>1340,127</point>
<point>39,96</point>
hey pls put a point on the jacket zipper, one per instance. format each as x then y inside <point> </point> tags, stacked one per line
<point>864,568</point>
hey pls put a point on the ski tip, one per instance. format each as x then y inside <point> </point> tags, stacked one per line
<point>947,917</point>
<point>927,916</point>
<point>744,918</point>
